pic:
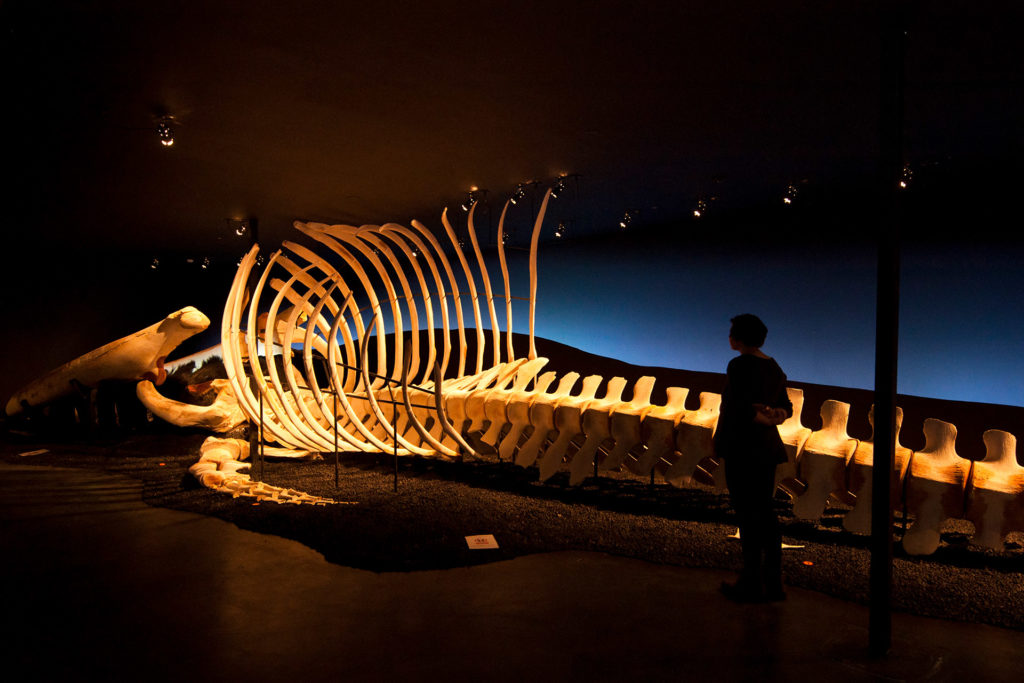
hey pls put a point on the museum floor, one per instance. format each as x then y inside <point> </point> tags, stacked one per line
<point>99,586</point>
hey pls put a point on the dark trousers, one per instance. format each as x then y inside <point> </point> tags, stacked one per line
<point>751,493</point>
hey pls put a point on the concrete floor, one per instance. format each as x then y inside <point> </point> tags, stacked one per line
<point>99,586</point>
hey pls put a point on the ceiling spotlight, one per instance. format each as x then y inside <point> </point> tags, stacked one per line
<point>791,192</point>
<point>205,263</point>
<point>165,130</point>
<point>154,264</point>
<point>462,243</point>
<point>906,176</point>
<point>559,186</point>
<point>505,237</point>
<point>560,229</point>
<point>474,195</point>
<point>700,209</point>
<point>627,219</point>
<point>519,193</point>
<point>240,226</point>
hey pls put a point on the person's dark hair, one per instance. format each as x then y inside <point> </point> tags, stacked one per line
<point>749,330</point>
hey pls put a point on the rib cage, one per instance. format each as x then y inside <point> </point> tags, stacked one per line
<point>427,402</point>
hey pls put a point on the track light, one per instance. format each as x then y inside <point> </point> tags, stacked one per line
<point>627,219</point>
<point>790,196</point>
<point>474,195</point>
<point>560,229</point>
<point>505,237</point>
<point>165,130</point>
<point>559,187</point>
<point>906,176</point>
<point>700,209</point>
<point>240,226</point>
<point>205,263</point>
<point>154,264</point>
<point>519,193</point>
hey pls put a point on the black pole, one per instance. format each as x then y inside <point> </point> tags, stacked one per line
<point>254,434</point>
<point>261,440</point>
<point>336,441</point>
<point>394,423</point>
<point>886,332</point>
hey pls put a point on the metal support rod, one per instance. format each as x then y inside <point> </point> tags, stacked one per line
<point>336,441</point>
<point>394,423</point>
<point>886,333</point>
<point>261,440</point>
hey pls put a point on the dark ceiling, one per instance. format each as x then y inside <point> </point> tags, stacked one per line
<point>371,112</point>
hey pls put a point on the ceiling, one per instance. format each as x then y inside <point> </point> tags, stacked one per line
<point>373,112</point>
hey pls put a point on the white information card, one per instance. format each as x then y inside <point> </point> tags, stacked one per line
<point>481,542</point>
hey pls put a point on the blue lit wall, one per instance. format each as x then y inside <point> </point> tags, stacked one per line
<point>962,311</point>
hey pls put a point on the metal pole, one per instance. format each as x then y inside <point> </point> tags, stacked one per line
<point>261,439</point>
<point>886,334</point>
<point>336,440</point>
<point>394,423</point>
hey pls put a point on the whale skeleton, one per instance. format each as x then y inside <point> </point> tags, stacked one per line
<point>355,392</point>
<point>383,393</point>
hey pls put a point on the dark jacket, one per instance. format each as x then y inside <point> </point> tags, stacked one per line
<point>751,379</point>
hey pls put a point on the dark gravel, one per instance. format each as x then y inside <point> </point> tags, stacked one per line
<point>423,524</point>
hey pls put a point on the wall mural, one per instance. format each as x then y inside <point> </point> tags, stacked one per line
<point>317,357</point>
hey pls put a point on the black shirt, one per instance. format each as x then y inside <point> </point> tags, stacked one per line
<point>751,379</point>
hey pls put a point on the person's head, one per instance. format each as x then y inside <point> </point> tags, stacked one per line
<point>748,330</point>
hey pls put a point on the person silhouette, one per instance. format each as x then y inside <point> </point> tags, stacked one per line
<point>747,442</point>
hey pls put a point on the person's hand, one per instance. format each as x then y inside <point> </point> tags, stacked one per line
<point>769,416</point>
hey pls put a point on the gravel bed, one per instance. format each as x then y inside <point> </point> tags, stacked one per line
<point>437,504</point>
